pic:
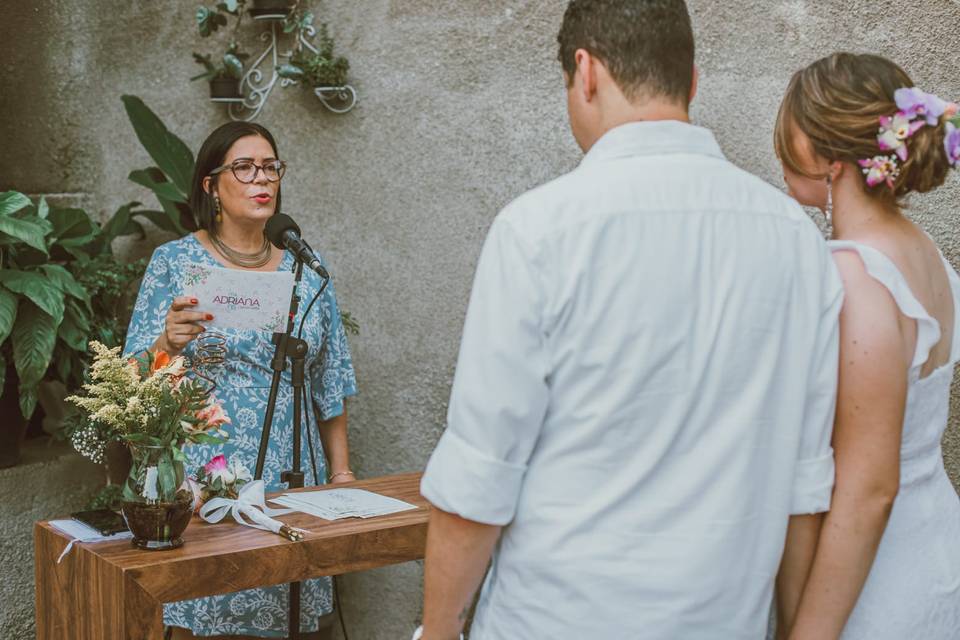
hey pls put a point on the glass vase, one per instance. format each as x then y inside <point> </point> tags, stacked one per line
<point>157,502</point>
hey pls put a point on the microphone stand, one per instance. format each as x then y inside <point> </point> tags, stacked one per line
<point>287,346</point>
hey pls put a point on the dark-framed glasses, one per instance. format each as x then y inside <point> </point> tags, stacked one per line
<point>245,170</point>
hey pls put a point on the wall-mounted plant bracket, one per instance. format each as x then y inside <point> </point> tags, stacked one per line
<point>245,89</point>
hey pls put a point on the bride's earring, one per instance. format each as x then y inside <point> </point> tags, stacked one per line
<point>829,210</point>
<point>219,209</point>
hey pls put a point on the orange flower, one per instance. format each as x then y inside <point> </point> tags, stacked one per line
<point>160,360</point>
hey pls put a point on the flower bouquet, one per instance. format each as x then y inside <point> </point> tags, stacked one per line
<point>153,405</point>
<point>229,488</point>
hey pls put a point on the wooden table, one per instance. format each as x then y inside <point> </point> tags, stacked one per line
<point>114,591</point>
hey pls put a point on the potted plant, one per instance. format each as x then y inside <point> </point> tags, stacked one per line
<point>154,405</point>
<point>224,76</point>
<point>270,8</point>
<point>317,67</point>
<point>46,314</point>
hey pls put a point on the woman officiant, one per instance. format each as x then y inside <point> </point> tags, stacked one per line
<point>235,190</point>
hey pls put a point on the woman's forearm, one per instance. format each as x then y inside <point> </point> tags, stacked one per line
<point>333,437</point>
<point>848,545</point>
<point>799,551</point>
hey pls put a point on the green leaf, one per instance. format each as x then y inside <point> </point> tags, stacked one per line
<point>206,438</point>
<point>11,201</point>
<point>3,372</point>
<point>30,231</point>
<point>64,368</point>
<point>149,178</point>
<point>65,281</point>
<point>233,66</point>
<point>290,71</point>
<point>119,223</point>
<point>72,227</point>
<point>34,337</point>
<point>163,220</point>
<point>28,400</point>
<point>36,288</point>
<point>79,316</point>
<point>72,334</point>
<point>43,209</point>
<point>169,152</point>
<point>8,314</point>
<point>167,477</point>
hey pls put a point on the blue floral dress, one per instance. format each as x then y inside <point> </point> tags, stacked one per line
<point>243,384</point>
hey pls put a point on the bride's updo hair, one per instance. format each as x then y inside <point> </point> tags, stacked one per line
<point>837,102</point>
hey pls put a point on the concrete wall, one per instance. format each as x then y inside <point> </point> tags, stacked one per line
<point>462,109</point>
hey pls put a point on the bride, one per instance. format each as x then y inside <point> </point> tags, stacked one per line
<point>855,138</point>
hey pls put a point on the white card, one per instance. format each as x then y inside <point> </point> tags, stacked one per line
<point>257,300</point>
<point>334,504</point>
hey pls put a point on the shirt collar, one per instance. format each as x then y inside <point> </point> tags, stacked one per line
<point>653,137</point>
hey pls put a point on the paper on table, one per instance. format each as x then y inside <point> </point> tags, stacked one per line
<point>334,504</point>
<point>257,300</point>
<point>80,532</point>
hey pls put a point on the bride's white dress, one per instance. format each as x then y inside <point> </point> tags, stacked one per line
<point>913,591</point>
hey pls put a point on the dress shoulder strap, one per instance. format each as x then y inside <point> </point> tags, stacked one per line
<point>882,269</point>
<point>955,290</point>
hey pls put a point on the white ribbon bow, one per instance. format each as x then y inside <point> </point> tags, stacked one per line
<point>250,502</point>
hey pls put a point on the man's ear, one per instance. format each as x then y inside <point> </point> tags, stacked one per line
<point>694,83</point>
<point>588,74</point>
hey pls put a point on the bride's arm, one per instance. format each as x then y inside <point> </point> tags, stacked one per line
<point>798,553</point>
<point>874,362</point>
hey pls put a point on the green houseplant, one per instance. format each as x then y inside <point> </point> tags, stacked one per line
<point>46,314</point>
<point>317,67</point>
<point>225,74</point>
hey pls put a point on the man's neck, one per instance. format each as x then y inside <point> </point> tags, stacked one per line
<point>621,113</point>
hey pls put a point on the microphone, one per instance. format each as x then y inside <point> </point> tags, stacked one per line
<point>283,233</point>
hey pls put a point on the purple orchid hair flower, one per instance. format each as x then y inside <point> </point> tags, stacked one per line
<point>952,144</point>
<point>916,103</point>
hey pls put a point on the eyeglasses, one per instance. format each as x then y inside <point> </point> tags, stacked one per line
<point>246,170</point>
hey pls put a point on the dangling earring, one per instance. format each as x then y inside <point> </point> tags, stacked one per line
<point>829,211</point>
<point>219,209</point>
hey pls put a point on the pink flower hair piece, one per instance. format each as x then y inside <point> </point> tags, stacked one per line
<point>951,143</point>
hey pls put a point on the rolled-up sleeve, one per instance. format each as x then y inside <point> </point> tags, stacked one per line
<point>814,478</point>
<point>500,392</point>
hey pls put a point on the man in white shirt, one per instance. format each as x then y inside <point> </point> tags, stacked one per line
<point>646,383</point>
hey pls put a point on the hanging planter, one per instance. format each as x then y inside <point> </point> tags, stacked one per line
<point>225,90</point>
<point>270,9</point>
<point>309,62</point>
<point>224,77</point>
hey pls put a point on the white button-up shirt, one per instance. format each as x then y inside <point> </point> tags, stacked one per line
<point>645,392</point>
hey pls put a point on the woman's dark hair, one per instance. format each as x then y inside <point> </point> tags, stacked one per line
<point>212,154</point>
<point>646,45</point>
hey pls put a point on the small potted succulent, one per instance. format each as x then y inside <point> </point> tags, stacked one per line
<point>224,76</point>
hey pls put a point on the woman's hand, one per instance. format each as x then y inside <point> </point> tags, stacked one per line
<point>181,325</point>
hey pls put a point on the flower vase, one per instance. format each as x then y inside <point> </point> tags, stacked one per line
<point>157,502</point>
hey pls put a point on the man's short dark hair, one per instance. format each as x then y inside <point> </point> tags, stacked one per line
<point>646,45</point>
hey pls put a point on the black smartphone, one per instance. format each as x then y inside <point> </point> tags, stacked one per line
<point>105,521</point>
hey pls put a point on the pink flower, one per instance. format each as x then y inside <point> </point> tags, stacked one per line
<point>214,415</point>
<point>219,463</point>
<point>894,132</point>
<point>880,169</point>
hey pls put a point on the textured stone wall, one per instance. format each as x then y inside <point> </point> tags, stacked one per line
<point>461,110</point>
